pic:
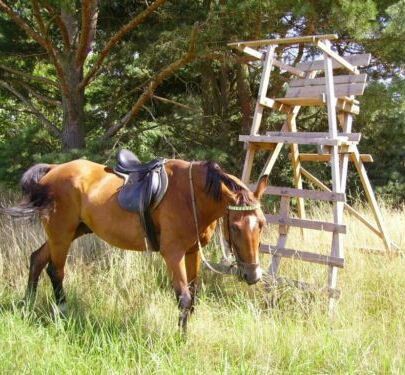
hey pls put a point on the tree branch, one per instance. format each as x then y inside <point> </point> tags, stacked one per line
<point>51,127</point>
<point>62,27</point>
<point>153,84</point>
<point>40,96</point>
<point>29,76</point>
<point>88,28</point>
<point>117,37</point>
<point>38,17</point>
<point>23,25</point>
<point>38,38</point>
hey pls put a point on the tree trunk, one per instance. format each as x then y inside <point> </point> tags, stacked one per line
<point>244,96</point>
<point>73,106</point>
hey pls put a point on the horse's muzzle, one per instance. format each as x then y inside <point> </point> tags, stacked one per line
<point>251,274</point>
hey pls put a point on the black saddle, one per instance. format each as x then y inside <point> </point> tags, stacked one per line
<point>144,189</point>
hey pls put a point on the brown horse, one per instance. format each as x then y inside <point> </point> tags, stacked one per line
<point>80,197</point>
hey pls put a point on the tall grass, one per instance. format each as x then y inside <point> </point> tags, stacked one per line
<point>123,315</point>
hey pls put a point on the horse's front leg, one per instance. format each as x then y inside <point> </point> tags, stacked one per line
<point>176,265</point>
<point>193,268</point>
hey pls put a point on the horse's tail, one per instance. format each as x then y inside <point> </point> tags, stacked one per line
<point>36,196</point>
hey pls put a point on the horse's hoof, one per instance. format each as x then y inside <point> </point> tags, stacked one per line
<point>60,310</point>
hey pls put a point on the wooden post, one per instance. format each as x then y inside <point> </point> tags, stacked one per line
<point>282,239</point>
<point>296,164</point>
<point>371,198</point>
<point>337,245</point>
<point>257,117</point>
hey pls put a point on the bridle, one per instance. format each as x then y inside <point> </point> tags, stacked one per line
<point>232,250</point>
<point>242,265</point>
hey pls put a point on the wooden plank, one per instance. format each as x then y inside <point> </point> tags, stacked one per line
<point>355,60</point>
<point>342,104</point>
<point>337,245</point>
<point>273,157</point>
<point>292,40</point>
<point>326,48</point>
<point>309,194</point>
<point>288,68</point>
<point>282,239</point>
<point>257,139</point>
<point>296,164</point>
<point>271,103</point>
<point>305,256</point>
<point>252,52</point>
<point>365,158</point>
<point>347,79</point>
<point>307,224</point>
<point>353,137</point>
<point>257,55</point>
<point>247,166</point>
<point>267,66</point>
<point>341,90</point>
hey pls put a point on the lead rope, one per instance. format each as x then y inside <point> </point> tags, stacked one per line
<point>205,261</point>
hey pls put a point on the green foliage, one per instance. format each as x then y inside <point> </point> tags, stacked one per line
<point>209,128</point>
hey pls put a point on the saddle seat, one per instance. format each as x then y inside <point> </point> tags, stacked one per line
<point>143,190</point>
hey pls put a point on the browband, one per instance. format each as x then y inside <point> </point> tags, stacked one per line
<point>244,208</point>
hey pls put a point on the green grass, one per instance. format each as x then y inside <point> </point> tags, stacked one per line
<point>123,315</point>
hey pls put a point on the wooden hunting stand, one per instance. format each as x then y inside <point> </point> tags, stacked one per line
<point>337,147</point>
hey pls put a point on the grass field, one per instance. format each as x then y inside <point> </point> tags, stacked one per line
<point>123,316</point>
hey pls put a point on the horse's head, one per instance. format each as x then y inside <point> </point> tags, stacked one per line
<point>243,220</point>
<point>243,225</point>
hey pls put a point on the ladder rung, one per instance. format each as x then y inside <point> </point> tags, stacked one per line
<point>303,193</point>
<point>365,158</point>
<point>303,255</point>
<point>257,139</point>
<point>353,137</point>
<point>308,224</point>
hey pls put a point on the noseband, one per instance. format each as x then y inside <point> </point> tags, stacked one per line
<point>239,261</point>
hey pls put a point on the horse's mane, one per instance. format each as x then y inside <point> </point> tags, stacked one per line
<point>216,176</point>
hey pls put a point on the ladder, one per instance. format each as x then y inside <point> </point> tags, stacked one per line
<point>337,146</point>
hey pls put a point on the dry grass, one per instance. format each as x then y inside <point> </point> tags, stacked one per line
<point>123,316</point>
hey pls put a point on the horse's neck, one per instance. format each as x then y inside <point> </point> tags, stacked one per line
<point>210,209</point>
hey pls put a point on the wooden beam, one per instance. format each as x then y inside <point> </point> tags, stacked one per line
<point>307,224</point>
<point>318,65</point>
<point>365,158</point>
<point>360,78</point>
<point>325,47</point>
<point>353,137</point>
<point>271,103</point>
<point>293,40</point>
<point>303,255</point>
<point>257,55</point>
<point>309,194</point>
<point>257,139</point>
<point>341,90</point>
<point>342,103</point>
<point>371,199</point>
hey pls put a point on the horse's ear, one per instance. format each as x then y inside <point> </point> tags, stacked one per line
<point>261,186</point>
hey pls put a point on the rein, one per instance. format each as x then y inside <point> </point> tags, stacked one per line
<point>229,208</point>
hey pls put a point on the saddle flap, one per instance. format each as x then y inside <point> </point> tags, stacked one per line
<point>142,193</point>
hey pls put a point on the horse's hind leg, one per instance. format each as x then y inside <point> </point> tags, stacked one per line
<point>38,261</point>
<point>59,249</point>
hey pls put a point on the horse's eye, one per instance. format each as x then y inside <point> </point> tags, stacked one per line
<point>235,228</point>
